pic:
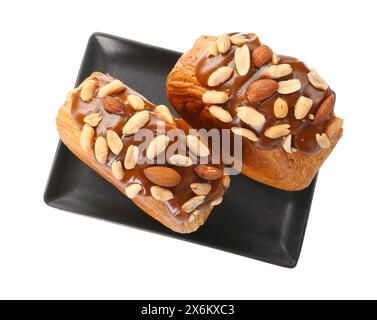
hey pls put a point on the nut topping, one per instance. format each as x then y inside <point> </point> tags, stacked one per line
<point>133,190</point>
<point>223,43</point>
<point>220,114</point>
<point>280,108</point>
<point>325,110</point>
<point>87,137</point>
<point>114,142</point>
<point>302,107</point>
<point>279,71</point>
<point>215,97</point>
<point>164,113</point>
<point>190,205</point>
<point>317,81</point>
<point>197,147</point>
<point>163,176</point>
<point>131,157</point>
<point>208,172</point>
<point>251,117</point>
<point>287,144</point>
<point>275,59</point>
<point>113,105</point>
<point>101,150</point>
<point>113,87</point>
<point>289,86</point>
<point>201,189</point>
<point>225,181</point>
<point>157,146</point>
<point>323,141</point>
<point>262,55</point>
<point>93,119</point>
<point>245,133</point>
<point>117,170</point>
<point>239,39</point>
<point>161,194</point>
<point>136,122</point>
<point>87,90</point>
<point>261,90</point>
<point>219,76</point>
<point>180,160</point>
<point>136,102</point>
<point>217,201</point>
<point>212,50</point>
<point>242,60</point>
<point>277,131</point>
<point>333,127</point>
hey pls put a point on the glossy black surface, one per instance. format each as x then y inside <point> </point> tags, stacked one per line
<point>254,220</point>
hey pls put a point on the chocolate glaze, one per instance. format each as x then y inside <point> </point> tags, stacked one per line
<point>303,131</point>
<point>182,192</point>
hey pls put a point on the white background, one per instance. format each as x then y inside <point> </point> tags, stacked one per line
<point>46,253</point>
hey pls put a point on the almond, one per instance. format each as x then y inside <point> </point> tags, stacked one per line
<point>113,87</point>
<point>133,190</point>
<point>289,86</point>
<point>87,90</point>
<point>245,133</point>
<point>101,150</point>
<point>117,170</point>
<point>251,117</point>
<point>277,131</point>
<point>317,81</point>
<point>190,205</point>
<point>325,110</point>
<point>261,90</point>
<point>201,189</point>
<point>180,160</point>
<point>113,105</point>
<point>242,60</point>
<point>164,113</point>
<point>239,39</point>
<point>225,181</point>
<point>311,116</point>
<point>262,55</point>
<point>323,141</point>
<point>87,137</point>
<point>136,102</point>
<point>217,201</point>
<point>280,108</point>
<point>157,146</point>
<point>219,76</point>
<point>197,147</point>
<point>275,59</point>
<point>212,50</point>
<point>131,157</point>
<point>208,172</point>
<point>279,71</point>
<point>161,194</point>
<point>333,127</point>
<point>163,176</point>
<point>136,122</point>
<point>220,114</point>
<point>302,107</point>
<point>287,144</point>
<point>223,43</point>
<point>215,97</point>
<point>114,142</point>
<point>93,119</point>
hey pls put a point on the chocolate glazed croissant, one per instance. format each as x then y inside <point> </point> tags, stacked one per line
<point>98,123</point>
<point>283,110</point>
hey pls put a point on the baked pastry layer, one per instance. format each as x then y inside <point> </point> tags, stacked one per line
<point>99,122</point>
<point>283,110</point>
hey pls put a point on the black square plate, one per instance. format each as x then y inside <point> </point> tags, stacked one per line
<point>254,220</point>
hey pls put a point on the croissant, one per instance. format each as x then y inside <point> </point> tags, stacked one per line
<point>99,123</point>
<point>283,111</point>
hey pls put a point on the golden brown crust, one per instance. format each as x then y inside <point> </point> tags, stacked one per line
<point>287,171</point>
<point>70,136</point>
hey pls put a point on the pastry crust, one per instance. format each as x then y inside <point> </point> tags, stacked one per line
<point>277,168</point>
<point>70,133</point>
